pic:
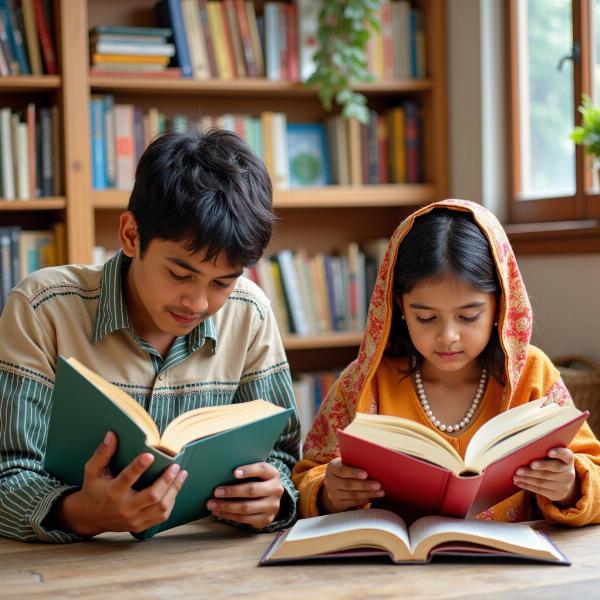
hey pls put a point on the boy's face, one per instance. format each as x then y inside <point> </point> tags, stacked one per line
<point>450,323</point>
<point>170,291</point>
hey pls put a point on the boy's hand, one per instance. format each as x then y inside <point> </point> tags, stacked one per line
<point>107,503</point>
<point>553,478</point>
<point>346,487</point>
<point>255,503</point>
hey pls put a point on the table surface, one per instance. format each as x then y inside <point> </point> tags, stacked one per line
<point>211,559</point>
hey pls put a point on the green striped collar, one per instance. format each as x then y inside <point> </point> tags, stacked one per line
<point>112,316</point>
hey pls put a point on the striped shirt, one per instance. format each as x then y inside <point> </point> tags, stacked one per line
<point>234,356</point>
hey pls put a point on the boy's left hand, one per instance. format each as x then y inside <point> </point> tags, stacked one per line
<point>553,477</point>
<point>255,503</point>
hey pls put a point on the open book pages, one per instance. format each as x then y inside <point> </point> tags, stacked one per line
<point>189,426</point>
<point>375,528</point>
<point>383,530</point>
<point>498,437</point>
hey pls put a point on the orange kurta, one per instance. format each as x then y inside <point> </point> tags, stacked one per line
<point>373,383</point>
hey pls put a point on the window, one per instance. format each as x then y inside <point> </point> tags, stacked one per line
<point>554,57</point>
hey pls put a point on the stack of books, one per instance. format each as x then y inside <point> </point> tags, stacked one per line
<point>131,51</point>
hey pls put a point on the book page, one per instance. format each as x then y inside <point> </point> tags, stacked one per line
<point>527,433</point>
<point>352,520</point>
<point>428,532</point>
<point>201,422</point>
<point>410,437</point>
<point>505,424</point>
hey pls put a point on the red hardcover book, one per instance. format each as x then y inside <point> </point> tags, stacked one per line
<point>284,65</point>
<point>292,45</point>
<point>433,479</point>
<point>45,38</point>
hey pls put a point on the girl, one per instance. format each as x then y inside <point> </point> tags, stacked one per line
<point>447,345</point>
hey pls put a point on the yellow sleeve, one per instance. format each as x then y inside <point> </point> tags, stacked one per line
<point>584,445</point>
<point>586,448</point>
<point>320,448</point>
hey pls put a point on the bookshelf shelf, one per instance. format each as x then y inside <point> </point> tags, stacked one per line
<point>328,340</point>
<point>31,83</point>
<point>359,196</point>
<point>48,203</point>
<point>248,87</point>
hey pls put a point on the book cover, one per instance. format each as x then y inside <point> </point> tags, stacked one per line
<point>195,37</point>
<point>232,25</point>
<point>46,39</point>
<point>15,37</point>
<point>210,46</point>
<point>168,13</point>
<point>31,37</point>
<point>223,58</point>
<point>246,40</point>
<point>81,415</point>
<point>257,47</point>
<point>415,487</point>
<point>272,41</point>
<point>6,156</point>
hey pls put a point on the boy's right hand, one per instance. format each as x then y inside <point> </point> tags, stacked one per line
<point>346,487</point>
<point>107,503</point>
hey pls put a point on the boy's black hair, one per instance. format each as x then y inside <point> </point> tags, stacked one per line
<point>207,189</point>
<point>440,243</point>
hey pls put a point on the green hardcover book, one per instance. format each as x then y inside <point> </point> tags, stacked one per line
<point>208,442</point>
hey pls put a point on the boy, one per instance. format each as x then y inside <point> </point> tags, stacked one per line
<point>170,319</point>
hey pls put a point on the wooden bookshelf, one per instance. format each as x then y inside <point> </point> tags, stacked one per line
<point>326,340</point>
<point>318,197</point>
<point>29,83</point>
<point>345,213</point>
<point>34,204</point>
<point>248,87</point>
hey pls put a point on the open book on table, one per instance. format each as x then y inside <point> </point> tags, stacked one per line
<point>422,473</point>
<point>376,531</point>
<point>208,442</point>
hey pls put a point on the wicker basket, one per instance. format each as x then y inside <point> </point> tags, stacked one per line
<point>582,378</point>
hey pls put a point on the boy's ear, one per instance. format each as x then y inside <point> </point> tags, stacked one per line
<point>128,234</point>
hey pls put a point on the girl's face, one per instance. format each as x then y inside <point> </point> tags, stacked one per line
<point>449,322</point>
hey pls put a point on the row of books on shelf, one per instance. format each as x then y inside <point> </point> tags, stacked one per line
<point>323,292</point>
<point>309,390</point>
<point>231,39</point>
<point>30,148</point>
<point>27,45</point>
<point>24,251</point>
<point>386,150</point>
<point>316,294</point>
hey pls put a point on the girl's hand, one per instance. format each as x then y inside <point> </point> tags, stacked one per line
<point>346,487</point>
<point>553,478</point>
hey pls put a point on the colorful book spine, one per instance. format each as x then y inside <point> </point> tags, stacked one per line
<point>46,38</point>
<point>98,141</point>
<point>272,41</point>
<point>169,15</point>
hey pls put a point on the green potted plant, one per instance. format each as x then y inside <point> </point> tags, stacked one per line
<point>588,133</point>
<point>341,59</point>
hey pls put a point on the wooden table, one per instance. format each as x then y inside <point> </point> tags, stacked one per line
<point>207,559</point>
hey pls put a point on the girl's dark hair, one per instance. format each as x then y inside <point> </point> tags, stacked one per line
<point>207,189</point>
<point>440,243</point>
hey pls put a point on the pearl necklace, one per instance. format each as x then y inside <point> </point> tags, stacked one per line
<point>468,415</point>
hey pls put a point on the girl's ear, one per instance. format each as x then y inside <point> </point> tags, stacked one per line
<point>399,308</point>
